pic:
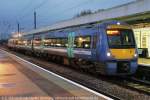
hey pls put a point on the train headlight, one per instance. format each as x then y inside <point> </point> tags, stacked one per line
<point>135,55</point>
<point>108,54</point>
<point>118,23</point>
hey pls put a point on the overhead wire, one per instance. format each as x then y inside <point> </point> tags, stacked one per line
<point>34,9</point>
<point>40,5</point>
<point>15,18</point>
<point>56,13</point>
<point>55,5</point>
<point>68,9</point>
<point>23,10</point>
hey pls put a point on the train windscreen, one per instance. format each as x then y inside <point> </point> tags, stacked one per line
<point>122,38</point>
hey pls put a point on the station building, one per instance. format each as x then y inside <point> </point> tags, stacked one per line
<point>142,35</point>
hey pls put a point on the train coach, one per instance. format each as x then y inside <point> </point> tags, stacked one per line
<point>108,47</point>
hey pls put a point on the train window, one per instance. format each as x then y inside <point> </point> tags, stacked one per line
<point>121,38</point>
<point>19,42</point>
<point>54,42</point>
<point>63,42</point>
<point>37,42</point>
<point>28,42</point>
<point>24,42</point>
<point>47,42</point>
<point>15,42</point>
<point>82,42</point>
<point>57,42</point>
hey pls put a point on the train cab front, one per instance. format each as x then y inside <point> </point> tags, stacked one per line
<point>121,52</point>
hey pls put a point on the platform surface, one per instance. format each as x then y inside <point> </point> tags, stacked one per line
<point>22,79</point>
<point>144,61</point>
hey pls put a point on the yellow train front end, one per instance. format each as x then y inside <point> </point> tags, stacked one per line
<point>122,52</point>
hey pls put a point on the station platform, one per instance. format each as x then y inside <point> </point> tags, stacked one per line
<point>144,61</point>
<point>19,78</point>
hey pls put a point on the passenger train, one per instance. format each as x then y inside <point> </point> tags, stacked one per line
<point>108,47</point>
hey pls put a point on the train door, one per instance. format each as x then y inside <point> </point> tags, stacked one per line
<point>101,44</point>
<point>94,45</point>
<point>70,48</point>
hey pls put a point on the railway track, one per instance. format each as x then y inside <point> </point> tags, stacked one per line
<point>134,84</point>
<point>143,73</point>
<point>139,85</point>
<point>102,84</point>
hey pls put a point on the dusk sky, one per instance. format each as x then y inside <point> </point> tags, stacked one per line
<point>48,11</point>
